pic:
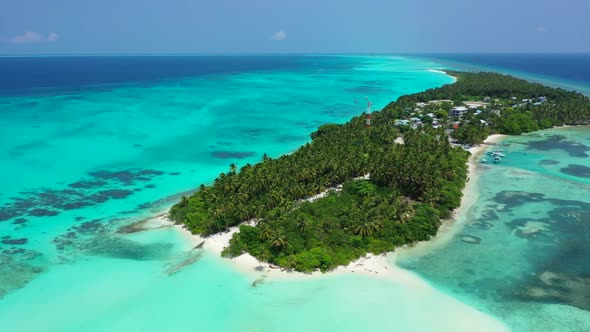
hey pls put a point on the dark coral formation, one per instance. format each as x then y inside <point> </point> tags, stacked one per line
<point>577,170</point>
<point>128,177</point>
<point>9,240</point>
<point>555,287</point>
<point>513,199</point>
<point>87,184</point>
<point>18,266</point>
<point>99,238</point>
<point>101,187</point>
<point>564,232</point>
<point>289,138</point>
<point>232,154</point>
<point>549,162</point>
<point>558,142</point>
<point>42,213</point>
<point>19,221</point>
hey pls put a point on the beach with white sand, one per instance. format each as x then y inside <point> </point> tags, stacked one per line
<point>371,264</point>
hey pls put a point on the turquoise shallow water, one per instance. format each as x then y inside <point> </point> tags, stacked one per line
<point>102,157</point>
<point>78,164</point>
<point>531,225</point>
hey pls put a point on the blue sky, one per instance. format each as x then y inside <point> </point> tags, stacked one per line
<point>293,26</point>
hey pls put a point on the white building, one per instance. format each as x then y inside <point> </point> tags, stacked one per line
<point>458,111</point>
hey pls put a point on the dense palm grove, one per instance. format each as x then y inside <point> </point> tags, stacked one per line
<point>410,188</point>
<point>563,107</point>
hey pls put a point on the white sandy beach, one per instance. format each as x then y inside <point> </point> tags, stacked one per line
<point>380,266</point>
<point>373,265</point>
<point>470,196</point>
<point>370,265</point>
<point>442,72</point>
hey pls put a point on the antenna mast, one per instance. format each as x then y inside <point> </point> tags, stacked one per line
<point>368,113</point>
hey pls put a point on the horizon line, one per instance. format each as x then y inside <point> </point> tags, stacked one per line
<point>288,54</point>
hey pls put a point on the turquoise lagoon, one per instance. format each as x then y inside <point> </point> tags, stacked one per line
<point>520,252</point>
<point>78,165</point>
<point>80,162</point>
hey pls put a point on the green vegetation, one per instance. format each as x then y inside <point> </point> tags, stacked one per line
<point>411,185</point>
<point>513,117</point>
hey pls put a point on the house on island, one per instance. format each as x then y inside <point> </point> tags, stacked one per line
<point>441,101</point>
<point>475,104</point>
<point>416,122</point>
<point>458,111</point>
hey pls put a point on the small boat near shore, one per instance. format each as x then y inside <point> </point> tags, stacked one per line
<point>496,156</point>
<point>497,153</point>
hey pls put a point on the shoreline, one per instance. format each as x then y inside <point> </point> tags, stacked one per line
<point>444,73</point>
<point>371,265</point>
<point>470,196</point>
<point>383,265</point>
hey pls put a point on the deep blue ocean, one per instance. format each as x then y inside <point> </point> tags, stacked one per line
<point>34,75</point>
<point>57,74</point>
<point>564,70</point>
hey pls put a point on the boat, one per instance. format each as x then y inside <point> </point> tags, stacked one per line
<point>483,161</point>
<point>497,154</point>
<point>497,159</point>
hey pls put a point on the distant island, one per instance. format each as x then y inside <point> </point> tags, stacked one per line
<point>356,189</point>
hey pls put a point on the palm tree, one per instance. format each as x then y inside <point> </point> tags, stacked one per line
<point>220,215</point>
<point>278,241</point>
<point>243,197</point>
<point>183,201</point>
<point>364,228</point>
<point>265,232</point>
<point>241,212</point>
<point>303,224</point>
<point>376,225</point>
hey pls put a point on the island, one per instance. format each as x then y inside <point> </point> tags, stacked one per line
<point>357,188</point>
